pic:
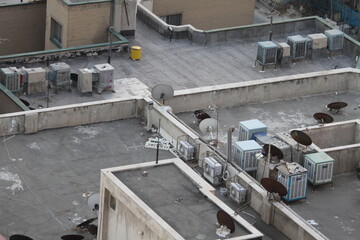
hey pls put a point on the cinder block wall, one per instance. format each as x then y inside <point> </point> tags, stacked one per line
<point>208,14</point>
<point>22,28</point>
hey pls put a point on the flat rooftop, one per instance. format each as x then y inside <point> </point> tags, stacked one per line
<point>177,200</point>
<point>183,64</point>
<point>335,210</point>
<point>43,176</point>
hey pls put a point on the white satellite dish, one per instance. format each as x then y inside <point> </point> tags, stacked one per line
<point>93,201</point>
<point>208,126</point>
<point>162,92</point>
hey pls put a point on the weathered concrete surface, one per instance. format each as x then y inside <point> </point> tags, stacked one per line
<point>335,211</point>
<point>43,175</point>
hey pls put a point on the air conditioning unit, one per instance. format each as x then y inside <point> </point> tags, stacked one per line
<point>59,74</point>
<point>298,46</point>
<point>320,168</point>
<point>335,39</point>
<point>35,79</point>
<point>280,144</point>
<point>294,179</point>
<point>212,170</point>
<point>237,192</point>
<point>267,53</point>
<point>105,77</point>
<point>248,129</point>
<point>10,78</point>
<point>245,155</point>
<point>186,150</point>
<point>84,84</point>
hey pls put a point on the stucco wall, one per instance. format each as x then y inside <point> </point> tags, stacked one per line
<point>7,105</point>
<point>208,14</point>
<point>88,24</point>
<point>22,28</point>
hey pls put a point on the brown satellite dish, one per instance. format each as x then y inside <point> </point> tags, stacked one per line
<point>86,223</point>
<point>72,237</point>
<point>226,220</point>
<point>323,117</point>
<point>301,137</point>
<point>200,115</point>
<point>273,186</point>
<point>274,151</point>
<point>19,237</point>
<point>336,106</point>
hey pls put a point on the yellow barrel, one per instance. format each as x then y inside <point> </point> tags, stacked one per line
<point>135,53</point>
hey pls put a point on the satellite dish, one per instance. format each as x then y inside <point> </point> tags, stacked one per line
<point>323,118</point>
<point>301,137</point>
<point>19,237</point>
<point>86,223</point>
<point>72,237</point>
<point>201,115</point>
<point>336,106</point>
<point>273,186</point>
<point>93,201</point>
<point>274,151</point>
<point>162,92</point>
<point>225,219</point>
<point>208,126</point>
<point>92,229</point>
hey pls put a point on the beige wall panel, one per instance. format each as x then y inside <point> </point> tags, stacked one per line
<point>57,10</point>
<point>22,28</point>
<point>88,24</point>
<point>208,14</point>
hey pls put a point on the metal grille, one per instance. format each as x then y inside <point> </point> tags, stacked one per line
<point>297,49</point>
<point>62,78</point>
<point>266,55</point>
<point>336,42</point>
<point>260,53</point>
<point>311,170</point>
<point>11,82</point>
<point>250,162</point>
<point>324,172</point>
<point>297,186</point>
<point>243,134</point>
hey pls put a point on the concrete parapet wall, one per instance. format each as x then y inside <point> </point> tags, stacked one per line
<point>71,115</point>
<point>228,95</point>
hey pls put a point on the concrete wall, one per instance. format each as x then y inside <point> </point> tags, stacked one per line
<point>71,115</point>
<point>333,135</point>
<point>9,103</point>
<point>88,24</point>
<point>57,10</point>
<point>233,94</point>
<point>208,14</point>
<point>346,158</point>
<point>22,27</point>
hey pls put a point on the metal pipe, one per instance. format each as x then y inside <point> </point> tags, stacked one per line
<point>230,131</point>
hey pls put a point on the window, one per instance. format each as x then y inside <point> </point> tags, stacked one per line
<point>112,202</point>
<point>56,32</point>
<point>172,19</point>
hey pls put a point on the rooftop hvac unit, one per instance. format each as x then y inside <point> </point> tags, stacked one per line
<point>294,178</point>
<point>84,84</point>
<point>105,77</point>
<point>10,78</point>
<point>280,144</point>
<point>335,39</point>
<point>186,150</point>
<point>298,46</point>
<point>60,75</point>
<point>35,79</point>
<point>212,170</point>
<point>320,168</point>
<point>237,192</point>
<point>248,129</point>
<point>245,155</point>
<point>267,53</point>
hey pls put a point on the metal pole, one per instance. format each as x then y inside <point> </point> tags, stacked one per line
<point>110,47</point>
<point>158,143</point>
<point>271,24</point>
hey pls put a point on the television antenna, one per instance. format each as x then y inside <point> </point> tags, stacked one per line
<point>162,92</point>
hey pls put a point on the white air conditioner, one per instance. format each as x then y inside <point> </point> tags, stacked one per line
<point>106,77</point>
<point>186,150</point>
<point>10,78</point>
<point>237,192</point>
<point>212,170</point>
